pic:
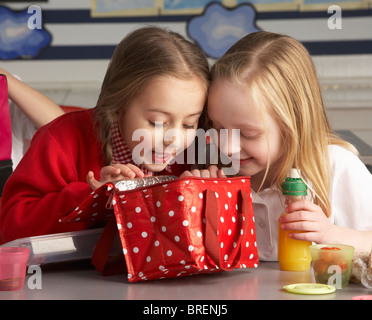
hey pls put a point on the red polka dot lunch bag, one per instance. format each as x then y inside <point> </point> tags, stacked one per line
<point>176,227</point>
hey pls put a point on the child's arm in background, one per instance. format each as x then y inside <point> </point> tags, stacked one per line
<point>38,107</point>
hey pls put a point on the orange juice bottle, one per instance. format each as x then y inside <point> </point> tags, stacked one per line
<point>293,255</point>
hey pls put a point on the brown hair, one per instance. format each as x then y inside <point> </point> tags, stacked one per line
<point>142,55</point>
<point>279,72</point>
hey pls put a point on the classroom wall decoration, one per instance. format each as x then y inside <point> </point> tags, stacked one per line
<point>117,8</point>
<point>22,34</point>
<point>218,28</point>
<point>90,37</point>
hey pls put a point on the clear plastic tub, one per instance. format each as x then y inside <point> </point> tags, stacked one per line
<point>327,257</point>
<point>12,268</point>
<point>60,247</point>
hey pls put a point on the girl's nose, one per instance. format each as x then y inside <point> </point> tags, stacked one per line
<point>173,137</point>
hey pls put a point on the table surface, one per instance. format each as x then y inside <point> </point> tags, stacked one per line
<point>79,280</point>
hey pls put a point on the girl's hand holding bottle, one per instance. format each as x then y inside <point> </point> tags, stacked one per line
<point>309,218</point>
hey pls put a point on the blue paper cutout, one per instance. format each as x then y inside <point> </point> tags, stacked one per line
<point>17,40</point>
<point>218,28</point>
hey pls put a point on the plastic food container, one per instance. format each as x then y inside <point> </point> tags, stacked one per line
<point>331,259</point>
<point>13,263</point>
<point>60,247</point>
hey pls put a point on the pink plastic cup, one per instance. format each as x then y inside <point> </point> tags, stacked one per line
<point>13,264</point>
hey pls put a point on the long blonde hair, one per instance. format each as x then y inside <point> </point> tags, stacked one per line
<point>281,76</point>
<point>142,55</point>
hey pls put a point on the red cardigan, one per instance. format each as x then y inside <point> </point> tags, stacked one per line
<point>50,180</point>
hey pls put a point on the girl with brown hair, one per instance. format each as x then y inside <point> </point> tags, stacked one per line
<point>156,78</point>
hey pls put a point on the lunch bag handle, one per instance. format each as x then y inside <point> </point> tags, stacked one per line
<point>212,243</point>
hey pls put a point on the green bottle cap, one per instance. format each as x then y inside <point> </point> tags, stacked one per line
<point>294,185</point>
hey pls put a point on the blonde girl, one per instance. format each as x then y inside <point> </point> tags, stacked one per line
<point>155,77</point>
<point>266,86</point>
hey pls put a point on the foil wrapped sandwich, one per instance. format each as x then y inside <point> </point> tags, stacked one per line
<point>130,184</point>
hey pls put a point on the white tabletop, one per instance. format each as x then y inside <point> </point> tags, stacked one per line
<point>79,280</point>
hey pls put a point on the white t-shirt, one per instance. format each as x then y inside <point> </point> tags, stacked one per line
<point>350,197</point>
<point>23,129</point>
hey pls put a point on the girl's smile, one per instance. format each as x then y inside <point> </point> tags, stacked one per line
<point>162,157</point>
<point>244,162</point>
